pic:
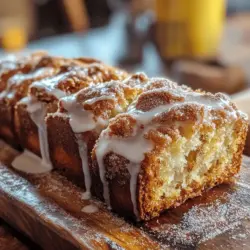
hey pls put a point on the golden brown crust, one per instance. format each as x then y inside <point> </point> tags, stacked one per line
<point>193,132</point>
<point>73,78</point>
<point>40,66</point>
<point>247,145</point>
<point>13,64</point>
<point>64,152</point>
<point>103,101</point>
<point>73,75</point>
<point>16,88</point>
<point>26,130</point>
<point>195,111</point>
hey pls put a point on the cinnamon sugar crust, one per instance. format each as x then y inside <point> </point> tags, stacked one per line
<point>97,104</point>
<point>75,75</point>
<point>73,78</point>
<point>185,142</point>
<point>143,145</point>
<point>12,64</point>
<point>38,66</point>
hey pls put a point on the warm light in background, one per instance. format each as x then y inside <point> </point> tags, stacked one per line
<point>189,27</point>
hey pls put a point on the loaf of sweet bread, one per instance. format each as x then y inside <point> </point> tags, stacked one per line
<point>141,144</point>
<point>43,98</point>
<point>171,144</point>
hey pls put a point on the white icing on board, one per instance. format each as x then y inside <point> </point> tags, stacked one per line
<point>37,111</point>
<point>30,163</point>
<point>135,147</point>
<point>90,209</point>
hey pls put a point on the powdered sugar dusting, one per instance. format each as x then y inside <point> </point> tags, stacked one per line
<point>206,220</point>
<point>220,217</point>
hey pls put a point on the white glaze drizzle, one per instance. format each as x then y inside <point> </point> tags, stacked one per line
<point>20,77</point>
<point>82,120</point>
<point>30,163</point>
<point>83,152</point>
<point>135,147</point>
<point>37,111</point>
<point>100,98</point>
<point>50,85</point>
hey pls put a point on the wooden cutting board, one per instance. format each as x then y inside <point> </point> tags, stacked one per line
<point>11,239</point>
<point>8,241</point>
<point>48,209</point>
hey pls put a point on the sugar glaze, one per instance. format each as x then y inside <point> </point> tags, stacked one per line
<point>135,147</point>
<point>30,163</point>
<point>37,111</point>
<point>81,121</point>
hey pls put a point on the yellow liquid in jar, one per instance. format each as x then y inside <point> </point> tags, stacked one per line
<point>190,28</point>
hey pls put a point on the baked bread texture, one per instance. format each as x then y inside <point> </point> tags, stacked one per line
<point>29,69</point>
<point>43,98</point>
<point>16,88</point>
<point>172,144</point>
<point>74,129</point>
<point>16,73</point>
<point>12,64</point>
<point>142,145</point>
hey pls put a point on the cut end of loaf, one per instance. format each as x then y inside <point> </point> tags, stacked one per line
<point>190,165</point>
<point>158,143</point>
<point>162,153</point>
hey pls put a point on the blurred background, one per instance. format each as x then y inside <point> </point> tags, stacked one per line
<point>204,44</point>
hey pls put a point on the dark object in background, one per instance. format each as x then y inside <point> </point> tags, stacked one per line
<point>138,33</point>
<point>99,12</point>
<point>138,30</point>
<point>52,18</point>
<point>234,6</point>
<point>212,78</point>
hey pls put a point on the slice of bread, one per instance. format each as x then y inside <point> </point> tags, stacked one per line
<point>74,129</point>
<point>172,144</point>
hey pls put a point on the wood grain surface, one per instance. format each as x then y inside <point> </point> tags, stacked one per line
<point>8,240</point>
<point>48,209</point>
<point>11,239</point>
